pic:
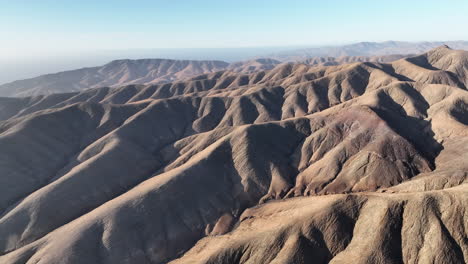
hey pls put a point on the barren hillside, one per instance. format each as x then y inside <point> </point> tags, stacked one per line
<point>364,162</point>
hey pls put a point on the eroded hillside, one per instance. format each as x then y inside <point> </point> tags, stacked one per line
<point>365,162</point>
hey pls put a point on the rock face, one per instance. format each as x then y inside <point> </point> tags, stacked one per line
<point>355,163</point>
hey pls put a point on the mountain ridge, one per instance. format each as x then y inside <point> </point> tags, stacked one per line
<point>119,72</point>
<point>152,71</point>
<point>367,49</point>
<point>292,164</point>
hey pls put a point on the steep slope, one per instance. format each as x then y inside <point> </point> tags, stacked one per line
<point>358,228</point>
<point>363,162</point>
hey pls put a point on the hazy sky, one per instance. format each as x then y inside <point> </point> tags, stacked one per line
<point>40,27</point>
<point>45,36</point>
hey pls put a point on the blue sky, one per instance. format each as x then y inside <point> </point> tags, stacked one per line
<point>43,26</point>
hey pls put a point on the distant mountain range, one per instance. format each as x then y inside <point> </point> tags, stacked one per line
<point>366,49</point>
<point>157,71</point>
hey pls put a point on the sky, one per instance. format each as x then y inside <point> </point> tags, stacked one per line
<point>44,26</point>
<point>41,36</point>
